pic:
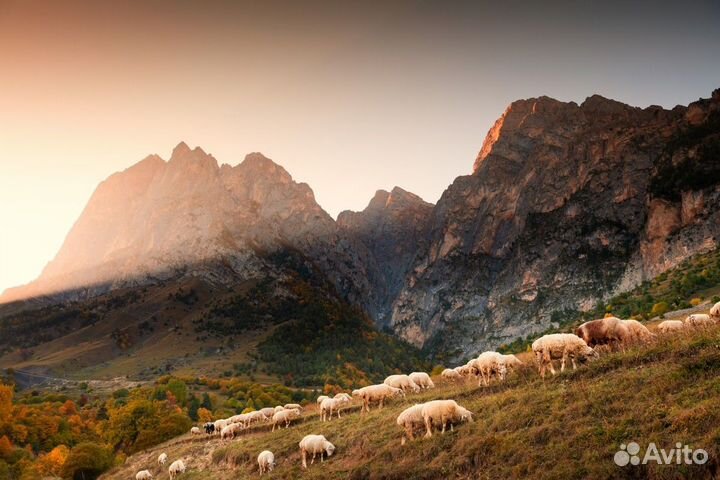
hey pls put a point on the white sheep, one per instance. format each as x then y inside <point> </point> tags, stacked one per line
<point>343,395</point>
<point>638,331</point>
<point>293,406</point>
<point>285,416</point>
<point>411,419</point>
<point>450,374</point>
<point>315,444</point>
<point>321,398</point>
<point>255,417</point>
<point>266,461</point>
<point>220,424</point>
<point>668,326</point>
<point>560,346</point>
<point>279,408</point>
<point>330,405</point>
<point>715,311</point>
<point>402,381</point>
<point>195,431</point>
<point>162,459</point>
<point>231,431</point>
<point>268,412</point>
<point>422,380</point>
<point>176,468</point>
<point>699,320</point>
<point>486,365</point>
<point>143,475</point>
<point>442,412</point>
<point>376,393</point>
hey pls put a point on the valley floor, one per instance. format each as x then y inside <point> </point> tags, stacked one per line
<point>568,426</point>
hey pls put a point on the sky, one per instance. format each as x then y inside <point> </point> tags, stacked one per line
<point>350,97</point>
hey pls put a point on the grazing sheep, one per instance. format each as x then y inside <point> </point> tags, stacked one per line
<point>442,412</point>
<point>285,416</point>
<point>560,346</point>
<point>315,444</point>
<point>293,406</point>
<point>220,424</point>
<point>266,461</point>
<point>231,431</point>
<point>715,311</point>
<point>255,417</point>
<point>376,393</point>
<point>463,370</point>
<point>670,326</point>
<point>699,320</point>
<point>279,409</point>
<point>402,381</point>
<point>330,405</point>
<point>486,365</point>
<point>343,395</point>
<point>268,412</point>
<point>321,398</point>
<point>143,475</point>
<point>411,419</point>
<point>195,431</point>
<point>638,331</point>
<point>609,331</point>
<point>450,374</point>
<point>422,380</point>
<point>162,459</point>
<point>177,467</point>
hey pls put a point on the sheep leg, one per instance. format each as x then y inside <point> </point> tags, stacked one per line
<point>428,427</point>
<point>573,362</point>
<point>382,399</point>
<point>564,359</point>
<point>304,458</point>
<point>313,458</point>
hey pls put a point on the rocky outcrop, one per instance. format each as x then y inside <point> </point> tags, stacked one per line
<point>393,228</point>
<point>566,205</point>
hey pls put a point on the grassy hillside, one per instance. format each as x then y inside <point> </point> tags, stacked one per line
<point>568,426</point>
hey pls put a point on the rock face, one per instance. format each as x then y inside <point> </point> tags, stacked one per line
<point>393,228</point>
<point>188,216</point>
<point>566,205</point>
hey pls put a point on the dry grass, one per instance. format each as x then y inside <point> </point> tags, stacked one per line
<point>568,426</point>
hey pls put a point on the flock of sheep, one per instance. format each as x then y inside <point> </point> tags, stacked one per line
<point>585,344</point>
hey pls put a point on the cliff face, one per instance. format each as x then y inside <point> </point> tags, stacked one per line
<point>566,204</point>
<point>393,228</point>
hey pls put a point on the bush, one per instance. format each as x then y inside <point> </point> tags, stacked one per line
<point>87,461</point>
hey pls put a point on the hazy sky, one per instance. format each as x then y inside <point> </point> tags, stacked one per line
<point>347,96</point>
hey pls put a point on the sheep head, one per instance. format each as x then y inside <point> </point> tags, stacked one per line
<point>329,448</point>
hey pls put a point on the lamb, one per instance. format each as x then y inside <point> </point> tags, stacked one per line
<point>177,467</point>
<point>670,326</point>
<point>402,381</point>
<point>443,412</point>
<point>376,393</point>
<point>422,380</point>
<point>162,459</point>
<point>230,431</point>
<point>292,406</point>
<point>563,346</point>
<point>266,461</point>
<point>143,475</point>
<point>715,311</point>
<point>285,416</point>
<point>195,431</point>
<point>321,398</point>
<point>315,444</point>
<point>486,365</point>
<point>220,424</point>
<point>411,419</point>
<point>605,331</point>
<point>450,374</point>
<point>332,404</point>
<point>699,320</point>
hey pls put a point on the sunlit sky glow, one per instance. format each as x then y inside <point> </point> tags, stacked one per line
<point>349,97</point>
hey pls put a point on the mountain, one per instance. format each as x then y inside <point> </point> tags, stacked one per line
<point>567,204</point>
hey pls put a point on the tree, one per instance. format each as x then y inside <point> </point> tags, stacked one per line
<point>179,390</point>
<point>204,415</point>
<point>6,406</point>
<point>87,461</point>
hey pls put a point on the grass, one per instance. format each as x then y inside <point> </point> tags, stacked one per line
<point>568,426</point>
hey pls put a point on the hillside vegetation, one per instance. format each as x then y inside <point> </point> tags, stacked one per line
<point>568,426</point>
